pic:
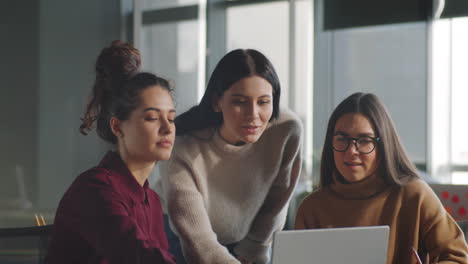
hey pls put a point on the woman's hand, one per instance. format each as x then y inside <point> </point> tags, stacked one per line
<point>426,260</point>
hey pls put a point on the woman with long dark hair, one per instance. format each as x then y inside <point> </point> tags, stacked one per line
<point>367,179</point>
<point>235,165</point>
<point>109,214</point>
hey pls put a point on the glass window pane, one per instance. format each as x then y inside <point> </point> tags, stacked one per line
<point>440,101</point>
<point>160,4</point>
<point>390,61</point>
<point>169,49</point>
<point>46,77</point>
<point>460,178</point>
<point>251,26</point>
<point>459,91</point>
<point>303,44</point>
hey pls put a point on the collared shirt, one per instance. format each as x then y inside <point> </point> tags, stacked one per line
<point>107,217</point>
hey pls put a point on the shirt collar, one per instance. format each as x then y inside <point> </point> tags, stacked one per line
<point>120,173</point>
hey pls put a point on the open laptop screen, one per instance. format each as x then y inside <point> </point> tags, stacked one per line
<point>356,245</point>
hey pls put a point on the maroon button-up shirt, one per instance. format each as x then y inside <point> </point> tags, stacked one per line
<point>107,217</point>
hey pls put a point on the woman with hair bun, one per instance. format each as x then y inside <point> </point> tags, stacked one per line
<point>109,214</point>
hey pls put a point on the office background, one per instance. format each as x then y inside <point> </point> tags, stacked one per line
<point>323,50</point>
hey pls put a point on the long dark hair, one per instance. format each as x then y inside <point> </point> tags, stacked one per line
<point>116,88</point>
<point>233,67</point>
<point>394,164</point>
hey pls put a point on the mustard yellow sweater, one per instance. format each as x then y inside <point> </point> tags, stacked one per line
<point>415,215</point>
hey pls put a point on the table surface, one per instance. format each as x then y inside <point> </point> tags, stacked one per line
<point>15,218</point>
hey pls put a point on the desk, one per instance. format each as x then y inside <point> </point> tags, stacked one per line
<point>15,218</point>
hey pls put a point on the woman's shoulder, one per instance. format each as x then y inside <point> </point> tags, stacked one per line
<point>194,139</point>
<point>188,146</point>
<point>86,183</point>
<point>418,190</point>
<point>289,117</point>
<point>420,196</point>
<point>415,186</point>
<point>94,175</point>
<point>110,170</point>
<point>288,122</point>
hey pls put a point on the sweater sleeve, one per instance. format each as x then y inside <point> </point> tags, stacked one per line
<point>272,214</point>
<point>189,217</point>
<point>440,234</point>
<point>104,222</point>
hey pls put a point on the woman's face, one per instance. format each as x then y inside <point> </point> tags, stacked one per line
<point>148,135</point>
<point>351,164</point>
<point>247,107</point>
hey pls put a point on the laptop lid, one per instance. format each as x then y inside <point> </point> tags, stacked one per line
<point>355,245</point>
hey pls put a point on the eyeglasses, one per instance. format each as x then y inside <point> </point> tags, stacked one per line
<point>364,144</point>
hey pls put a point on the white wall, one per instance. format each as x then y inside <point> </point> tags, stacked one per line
<point>19,38</point>
<point>389,61</point>
<point>72,33</point>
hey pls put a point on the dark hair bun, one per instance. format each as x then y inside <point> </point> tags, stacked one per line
<point>115,65</point>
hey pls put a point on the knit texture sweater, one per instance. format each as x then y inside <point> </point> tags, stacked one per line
<point>415,215</point>
<point>216,193</point>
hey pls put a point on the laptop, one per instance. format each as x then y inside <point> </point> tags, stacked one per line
<point>354,245</point>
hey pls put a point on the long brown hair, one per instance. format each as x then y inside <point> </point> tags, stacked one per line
<point>116,88</point>
<point>394,164</point>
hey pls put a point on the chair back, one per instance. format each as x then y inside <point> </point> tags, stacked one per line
<point>454,198</point>
<point>26,245</point>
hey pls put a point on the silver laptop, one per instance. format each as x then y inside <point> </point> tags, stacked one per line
<point>355,245</point>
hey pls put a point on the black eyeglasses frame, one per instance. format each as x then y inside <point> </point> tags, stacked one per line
<point>355,139</point>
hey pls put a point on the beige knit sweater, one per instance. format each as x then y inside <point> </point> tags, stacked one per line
<point>217,194</point>
<point>416,217</point>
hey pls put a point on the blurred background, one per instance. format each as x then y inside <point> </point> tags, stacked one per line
<point>413,54</point>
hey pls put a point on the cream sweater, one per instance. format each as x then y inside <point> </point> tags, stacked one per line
<point>416,217</point>
<point>216,193</point>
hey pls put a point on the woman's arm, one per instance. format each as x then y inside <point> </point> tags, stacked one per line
<point>272,215</point>
<point>104,221</point>
<point>188,215</point>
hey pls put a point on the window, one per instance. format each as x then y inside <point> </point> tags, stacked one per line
<point>273,43</point>
<point>289,48</point>
<point>171,39</point>
<point>167,50</point>
<point>170,31</point>
<point>162,4</point>
<point>449,95</point>
<point>168,46</point>
<point>459,92</point>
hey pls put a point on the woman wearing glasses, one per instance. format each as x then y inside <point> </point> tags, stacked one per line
<point>367,179</point>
